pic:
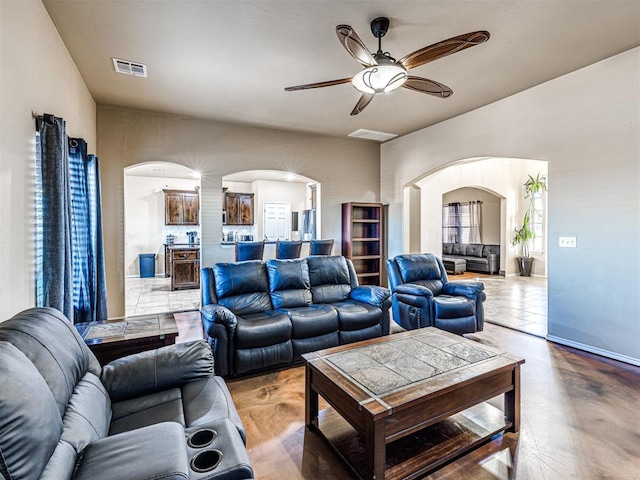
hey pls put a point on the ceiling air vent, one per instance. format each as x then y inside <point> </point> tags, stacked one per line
<point>130,68</point>
<point>372,135</point>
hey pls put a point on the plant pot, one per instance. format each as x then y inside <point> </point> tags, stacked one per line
<point>525,264</point>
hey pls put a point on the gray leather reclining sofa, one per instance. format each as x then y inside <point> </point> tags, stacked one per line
<point>478,257</point>
<point>159,414</point>
<point>262,315</point>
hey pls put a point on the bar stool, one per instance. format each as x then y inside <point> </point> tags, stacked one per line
<point>321,247</point>
<point>249,251</point>
<point>288,248</point>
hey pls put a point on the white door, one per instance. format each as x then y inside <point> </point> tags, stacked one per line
<point>277,221</point>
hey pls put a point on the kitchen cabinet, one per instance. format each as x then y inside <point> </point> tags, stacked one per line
<point>181,207</point>
<point>362,240</point>
<point>185,267</point>
<point>238,208</point>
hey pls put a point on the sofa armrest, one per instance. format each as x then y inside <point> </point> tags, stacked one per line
<point>215,313</point>
<point>155,370</point>
<point>413,289</point>
<point>157,451</point>
<point>371,294</point>
<point>464,289</point>
<point>220,326</point>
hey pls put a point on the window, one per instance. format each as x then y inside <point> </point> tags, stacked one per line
<point>40,302</point>
<point>461,222</point>
<point>536,220</point>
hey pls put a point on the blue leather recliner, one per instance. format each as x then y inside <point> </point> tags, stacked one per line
<point>422,296</point>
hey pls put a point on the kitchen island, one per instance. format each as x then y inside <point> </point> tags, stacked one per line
<point>182,264</point>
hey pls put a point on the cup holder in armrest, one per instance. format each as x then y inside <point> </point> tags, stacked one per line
<point>206,460</point>
<point>202,438</point>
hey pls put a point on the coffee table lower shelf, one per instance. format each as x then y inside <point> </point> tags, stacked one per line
<point>419,453</point>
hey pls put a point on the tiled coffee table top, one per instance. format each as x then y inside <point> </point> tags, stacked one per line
<point>382,368</point>
<point>140,326</point>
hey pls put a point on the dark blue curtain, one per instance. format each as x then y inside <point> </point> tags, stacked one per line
<point>89,286</point>
<point>54,276</point>
<point>70,272</point>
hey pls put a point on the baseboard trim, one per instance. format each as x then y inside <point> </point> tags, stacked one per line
<point>597,351</point>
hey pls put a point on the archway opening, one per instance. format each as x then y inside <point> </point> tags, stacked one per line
<point>147,233</point>
<point>285,206</point>
<point>504,179</point>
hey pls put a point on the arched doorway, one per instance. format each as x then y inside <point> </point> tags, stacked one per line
<point>503,177</point>
<point>525,298</point>
<point>286,206</point>
<point>145,236</point>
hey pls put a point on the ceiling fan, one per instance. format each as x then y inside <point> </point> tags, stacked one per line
<point>383,73</point>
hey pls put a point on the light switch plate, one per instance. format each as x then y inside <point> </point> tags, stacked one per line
<point>568,242</point>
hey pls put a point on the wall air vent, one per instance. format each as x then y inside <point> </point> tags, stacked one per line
<point>372,135</point>
<point>130,68</point>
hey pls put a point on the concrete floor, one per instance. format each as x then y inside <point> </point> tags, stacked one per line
<point>579,411</point>
<point>579,420</point>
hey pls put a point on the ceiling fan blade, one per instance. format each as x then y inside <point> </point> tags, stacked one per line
<point>444,48</point>
<point>365,100</point>
<point>424,85</point>
<point>352,44</point>
<point>328,83</point>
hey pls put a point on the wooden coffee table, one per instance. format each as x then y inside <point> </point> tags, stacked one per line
<point>413,400</point>
<point>118,337</point>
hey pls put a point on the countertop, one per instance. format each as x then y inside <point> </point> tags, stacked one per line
<point>183,246</point>
<point>266,242</point>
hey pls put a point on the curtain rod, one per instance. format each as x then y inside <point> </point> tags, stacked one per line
<point>461,203</point>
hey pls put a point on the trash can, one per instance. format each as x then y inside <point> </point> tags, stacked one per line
<point>147,265</point>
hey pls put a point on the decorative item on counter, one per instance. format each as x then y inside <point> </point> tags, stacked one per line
<point>192,236</point>
<point>169,240</point>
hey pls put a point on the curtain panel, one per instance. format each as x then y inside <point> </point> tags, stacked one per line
<point>54,282</point>
<point>70,273</point>
<point>89,285</point>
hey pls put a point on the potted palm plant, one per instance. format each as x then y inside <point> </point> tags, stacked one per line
<point>524,235</point>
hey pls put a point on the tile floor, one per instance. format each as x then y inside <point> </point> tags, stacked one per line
<point>153,295</point>
<point>515,302</point>
<point>519,303</point>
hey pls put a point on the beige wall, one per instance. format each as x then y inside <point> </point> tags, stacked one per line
<point>347,169</point>
<point>37,75</point>
<point>586,125</point>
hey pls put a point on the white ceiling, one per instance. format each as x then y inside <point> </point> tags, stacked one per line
<point>229,60</point>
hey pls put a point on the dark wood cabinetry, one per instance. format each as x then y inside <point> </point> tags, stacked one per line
<point>362,240</point>
<point>185,267</point>
<point>181,207</point>
<point>238,208</point>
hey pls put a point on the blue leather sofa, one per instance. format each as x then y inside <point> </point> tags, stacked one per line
<point>260,315</point>
<point>423,296</point>
<point>148,415</point>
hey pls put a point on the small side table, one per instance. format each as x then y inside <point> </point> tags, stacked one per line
<point>117,337</point>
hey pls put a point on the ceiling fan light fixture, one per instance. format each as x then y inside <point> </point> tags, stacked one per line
<point>382,78</point>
